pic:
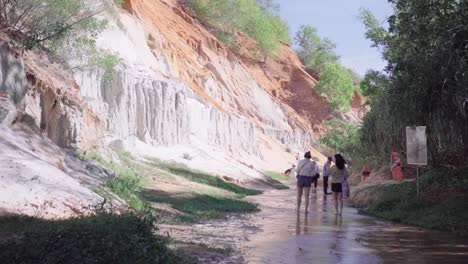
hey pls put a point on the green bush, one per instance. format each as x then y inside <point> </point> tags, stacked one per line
<point>256,19</point>
<point>125,184</point>
<point>336,84</point>
<point>103,238</point>
<point>343,138</point>
<point>119,2</point>
<point>441,205</point>
<point>314,51</point>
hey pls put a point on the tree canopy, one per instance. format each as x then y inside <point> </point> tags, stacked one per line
<point>315,52</point>
<point>336,84</point>
<point>425,81</point>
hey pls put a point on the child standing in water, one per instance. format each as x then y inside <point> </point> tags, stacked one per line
<point>338,173</point>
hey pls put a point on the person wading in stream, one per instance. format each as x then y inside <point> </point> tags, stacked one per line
<point>338,173</point>
<point>306,170</point>
<point>326,168</point>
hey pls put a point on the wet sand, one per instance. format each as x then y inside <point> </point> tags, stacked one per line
<point>278,235</point>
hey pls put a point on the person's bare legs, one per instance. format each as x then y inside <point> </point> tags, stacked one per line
<point>299,197</point>
<point>306,197</point>
<point>340,200</point>
<point>335,199</point>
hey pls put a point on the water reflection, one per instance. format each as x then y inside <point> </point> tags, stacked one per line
<point>323,237</point>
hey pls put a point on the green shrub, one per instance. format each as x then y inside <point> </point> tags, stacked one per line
<point>441,205</point>
<point>106,61</point>
<point>119,2</point>
<point>343,138</point>
<point>125,184</point>
<point>336,84</point>
<point>103,238</point>
<point>258,20</point>
<point>314,51</point>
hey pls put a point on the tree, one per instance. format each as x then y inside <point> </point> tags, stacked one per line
<point>373,85</point>
<point>343,137</point>
<point>314,51</point>
<point>41,21</point>
<point>427,84</point>
<point>336,84</point>
<point>375,32</point>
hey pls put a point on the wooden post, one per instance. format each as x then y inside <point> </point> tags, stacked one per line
<point>417,180</point>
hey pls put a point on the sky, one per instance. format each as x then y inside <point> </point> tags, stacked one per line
<point>337,20</point>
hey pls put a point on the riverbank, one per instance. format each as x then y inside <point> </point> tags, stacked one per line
<point>441,205</point>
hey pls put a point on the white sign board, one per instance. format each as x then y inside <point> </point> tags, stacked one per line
<point>416,145</point>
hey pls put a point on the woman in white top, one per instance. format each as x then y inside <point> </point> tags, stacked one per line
<point>306,170</point>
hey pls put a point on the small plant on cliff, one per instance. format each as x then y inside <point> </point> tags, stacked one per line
<point>119,2</point>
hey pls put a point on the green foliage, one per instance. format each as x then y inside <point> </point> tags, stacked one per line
<point>441,205</point>
<point>202,205</point>
<point>88,55</point>
<point>427,82</point>
<point>43,21</point>
<point>314,51</point>
<point>343,138</point>
<point>65,27</point>
<point>119,2</point>
<point>126,183</point>
<point>375,32</point>
<point>102,238</point>
<point>336,84</point>
<point>257,19</point>
<point>373,85</point>
<point>105,61</point>
<point>211,180</point>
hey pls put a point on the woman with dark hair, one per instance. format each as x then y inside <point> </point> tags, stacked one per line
<point>338,173</point>
<point>305,174</point>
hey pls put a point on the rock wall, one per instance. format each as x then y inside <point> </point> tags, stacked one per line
<point>46,92</point>
<point>177,91</point>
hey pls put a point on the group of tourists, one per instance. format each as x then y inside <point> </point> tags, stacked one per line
<point>307,173</point>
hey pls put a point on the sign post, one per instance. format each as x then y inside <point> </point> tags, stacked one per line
<point>416,149</point>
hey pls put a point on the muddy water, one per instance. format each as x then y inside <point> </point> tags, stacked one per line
<point>323,237</point>
<point>278,235</point>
